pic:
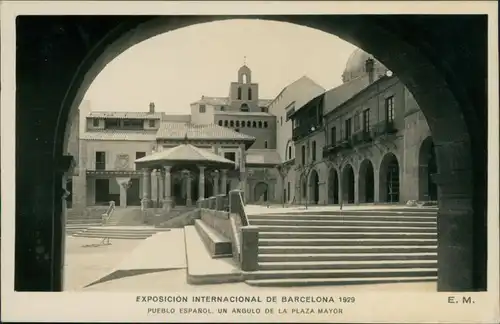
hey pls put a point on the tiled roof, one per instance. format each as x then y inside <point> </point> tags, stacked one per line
<point>337,96</point>
<point>224,101</point>
<point>186,153</point>
<point>125,114</point>
<point>171,130</point>
<point>243,113</point>
<point>118,135</point>
<point>176,118</point>
<point>262,156</point>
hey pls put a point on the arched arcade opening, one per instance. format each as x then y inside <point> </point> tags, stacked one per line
<point>427,167</point>
<point>366,183</point>
<point>389,182</point>
<point>313,187</point>
<point>348,184</point>
<point>333,186</point>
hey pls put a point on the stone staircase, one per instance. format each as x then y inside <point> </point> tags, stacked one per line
<point>78,220</point>
<point>348,247</point>
<point>120,232</point>
<point>126,216</point>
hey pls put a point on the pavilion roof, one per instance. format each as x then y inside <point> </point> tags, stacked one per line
<point>185,154</point>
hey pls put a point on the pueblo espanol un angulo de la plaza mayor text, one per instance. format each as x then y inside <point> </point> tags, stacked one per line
<point>364,142</point>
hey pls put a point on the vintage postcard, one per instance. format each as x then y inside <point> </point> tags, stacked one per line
<point>249,161</point>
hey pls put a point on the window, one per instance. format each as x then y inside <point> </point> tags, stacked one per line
<point>260,124</point>
<point>249,124</point>
<point>237,123</point>
<point>220,122</point>
<point>239,93</point>
<point>281,120</point>
<point>202,108</point>
<point>230,156</point>
<point>95,122</point>
<point>225,123</point>
<point>244,107</point>
<point>314,151</point>
<point>151,123</point>
<point>249,94</point>
<point>133,124</point>
<point>289,152</point>
<point>139,155</point>
<point>100,160</point>
<point>288,191</point>
<point>389,109</point>
<point>333,136</point>
<point>237,130</point>
<point>231,123</point>
<point>366,120</point>
<point>112,123</point>
<point>254,124</point>
<point>356,122</point>
<point>265,124</point>
<point>265,144</point>
<point>303,153</point>
<point>348,128</point>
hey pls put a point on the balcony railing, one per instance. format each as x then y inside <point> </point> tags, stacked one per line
<point>360,138</point>
<point>100,165</point>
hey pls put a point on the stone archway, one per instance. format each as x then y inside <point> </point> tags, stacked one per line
<point>313,187</point>
<point>430,64</point>
<point>261,192</point>
<point>348,185</point>
<point>427,167</point>
<point>366,182</point>
<point>333,186</point>
<point>389,181</point>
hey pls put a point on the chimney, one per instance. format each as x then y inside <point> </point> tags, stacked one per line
<point>151,107</point>
<point>369,67</point>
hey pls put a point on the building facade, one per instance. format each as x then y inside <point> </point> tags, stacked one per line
<point>365,141</point>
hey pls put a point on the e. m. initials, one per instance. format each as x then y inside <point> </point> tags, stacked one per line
<point>464,300</point>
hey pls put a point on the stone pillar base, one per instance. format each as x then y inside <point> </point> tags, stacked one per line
<point>189,202</point>
<point>145,203</point>
<point>167,204</point>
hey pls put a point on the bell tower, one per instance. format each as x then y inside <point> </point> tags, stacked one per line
<point>244,94</point>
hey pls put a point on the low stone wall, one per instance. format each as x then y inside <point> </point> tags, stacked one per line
<point>180,220</point>
<point>87,212</point>
<point>219,220</point>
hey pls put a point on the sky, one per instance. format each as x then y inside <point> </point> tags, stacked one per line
<point>177,68</point>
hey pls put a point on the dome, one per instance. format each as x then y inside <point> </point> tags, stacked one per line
<point>355,66</point>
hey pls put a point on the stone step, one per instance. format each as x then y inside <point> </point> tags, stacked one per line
<point>292,217</point>
<point>340,222</point>
<point>344,228</point>
<point>340,273</point>
<point>138,236</point>
<point>299,257</point>
<point>346,249</point>
<point>363,264</point>
<point>344,242</point>
<point>217,244</point>
<point>336,281</point>
<point>345,235</point>
<point>83,221</point>
<point>367,212</point>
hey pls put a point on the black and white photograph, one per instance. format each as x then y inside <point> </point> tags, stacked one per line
<point>250,161</point>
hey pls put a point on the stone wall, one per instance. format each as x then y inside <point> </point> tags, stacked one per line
<point>219,220</point>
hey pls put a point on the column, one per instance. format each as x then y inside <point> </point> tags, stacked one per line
<point>215,177</point>
<point>154,188</point>
<point>187,177</point>
<point>161,183</point>
<point>167,199</point>
<point>146,188</point>
<point>243,173</point>
<point>201,184</point>
<point>224,182</point>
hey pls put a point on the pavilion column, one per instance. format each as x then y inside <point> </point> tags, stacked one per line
<point>224,182</point>
<point>215,179</point>
<point>146,188</point>
<point>167,199</point>
<point>201,184</point>
<point>161,183</point>
<point>189,201</point>
<point>243,173</point>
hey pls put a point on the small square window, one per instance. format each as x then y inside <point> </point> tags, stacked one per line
<point>202,108</point>
<point>151,123</point>
<point>95,122</point>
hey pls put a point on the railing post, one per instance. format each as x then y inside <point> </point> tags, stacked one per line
<point>212,203</point>
<point>219,202</point>
<point>249,248</point>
